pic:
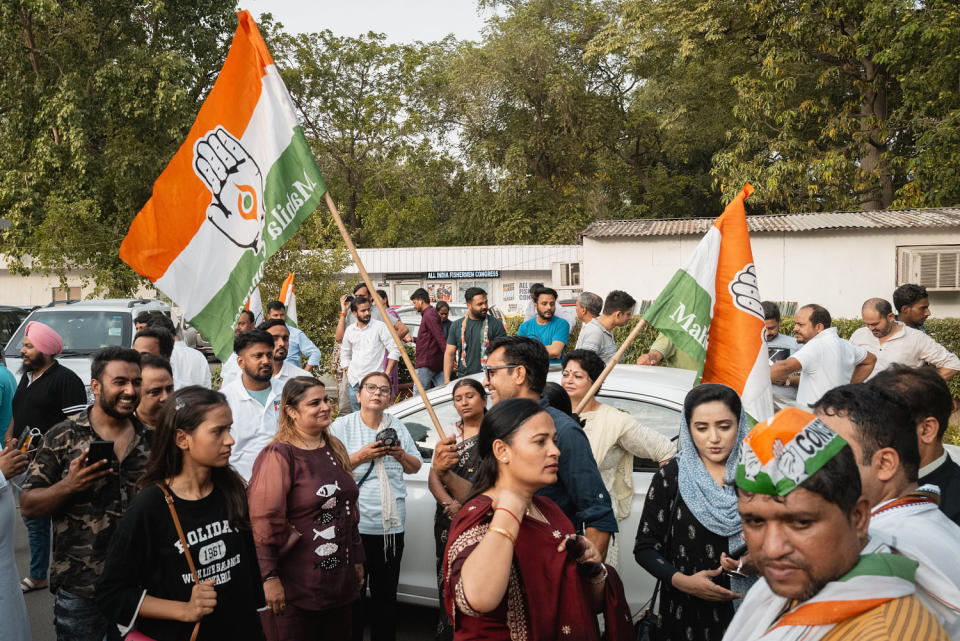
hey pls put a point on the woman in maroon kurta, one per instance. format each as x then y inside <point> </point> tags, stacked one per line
<point>303,508</point>
<point>507,574</point>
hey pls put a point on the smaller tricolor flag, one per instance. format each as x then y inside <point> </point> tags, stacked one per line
<point>711,310</point>
<point>289,299</point>
<point>255,305</point>
<point>240,185</point>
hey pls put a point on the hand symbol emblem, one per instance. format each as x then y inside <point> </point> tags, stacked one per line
<point>236,187</point>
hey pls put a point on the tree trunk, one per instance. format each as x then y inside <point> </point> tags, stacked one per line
<point>877,190</point>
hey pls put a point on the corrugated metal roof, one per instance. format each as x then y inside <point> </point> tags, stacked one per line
<point>503,257</point>
<point>887,219</point>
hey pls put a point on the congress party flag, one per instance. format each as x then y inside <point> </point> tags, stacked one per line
<point>236,190</point>
<point>711,310</point>
<point>289,299</point>
<point>255,305</point>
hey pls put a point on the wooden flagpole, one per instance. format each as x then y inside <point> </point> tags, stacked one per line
<point>383,313</point>
<point>609,368</point>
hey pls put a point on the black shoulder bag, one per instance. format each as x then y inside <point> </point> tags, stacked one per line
<point>646,626</point>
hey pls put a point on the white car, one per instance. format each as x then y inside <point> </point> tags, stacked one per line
<point>653,394</point>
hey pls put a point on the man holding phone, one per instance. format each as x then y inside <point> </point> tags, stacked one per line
<point>84,476</point>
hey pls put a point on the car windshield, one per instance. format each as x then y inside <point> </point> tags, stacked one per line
<point>83,332</point>
<point>10,320</point>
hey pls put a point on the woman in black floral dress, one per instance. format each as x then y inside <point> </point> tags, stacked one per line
<point>470,401</point>
<point>683,549</point>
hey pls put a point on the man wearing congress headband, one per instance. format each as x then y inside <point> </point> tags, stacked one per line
<point>805,524</point>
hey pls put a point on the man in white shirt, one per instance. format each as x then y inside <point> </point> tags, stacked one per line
<point>597,335</point>
<point>283,370</point>
<point>779,347</point>
<point>826,360</point>
<point>879,427</point>
<point>190,367</point>
<point>230,370</point>
<point>894,342</point>
<point>254,399</point>
<point>364,345</point>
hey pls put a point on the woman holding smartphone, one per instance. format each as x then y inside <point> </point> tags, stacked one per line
<point>147,583</point>
<point>690,520</point>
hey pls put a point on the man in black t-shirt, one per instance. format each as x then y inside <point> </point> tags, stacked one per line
<point>469,337</point>
<point>47,394</point>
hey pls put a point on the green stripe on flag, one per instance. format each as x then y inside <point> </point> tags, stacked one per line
<point>292,191</point>
<point>682,313</point>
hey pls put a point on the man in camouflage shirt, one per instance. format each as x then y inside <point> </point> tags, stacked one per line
<point>87,500</point>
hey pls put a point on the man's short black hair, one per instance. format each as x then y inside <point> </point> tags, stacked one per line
<point>274,305</point>
<point>549,291</point>
<point>472,292</point>
<point>164,339</point>
<point>923,389</point>
<point>590,302</point>
<point>142,318</point>
<point>159,319</point>
<point>881,419</point>
<point>908,295</point>
<point>420,294</point>
<point>253,337</point>
<point>248,313</point>
<point>771,311</point>
<point>105,355</point>
<point>358,301</point>
<point>156,362</point>
<point>818,315</point>
<point>618,301</point>
<point>271,322</point>
<point>359,286</point>
<point>529,352</point>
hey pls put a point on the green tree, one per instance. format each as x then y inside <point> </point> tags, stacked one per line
<point>95,98</point>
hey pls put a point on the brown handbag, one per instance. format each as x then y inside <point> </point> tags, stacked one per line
<point>186,549</point>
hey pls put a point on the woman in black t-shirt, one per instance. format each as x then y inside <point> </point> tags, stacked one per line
<point>146,582</point>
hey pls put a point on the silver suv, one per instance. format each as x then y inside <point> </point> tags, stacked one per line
<point>85,327</point>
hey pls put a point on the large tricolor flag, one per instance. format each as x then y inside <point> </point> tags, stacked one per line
<point>289,299</point>
<point>711,310</point>
<point>236,190</point>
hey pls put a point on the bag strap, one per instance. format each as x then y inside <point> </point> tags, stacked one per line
<point>666,542</point>
<point>183,543</point>
<point>366,475</point>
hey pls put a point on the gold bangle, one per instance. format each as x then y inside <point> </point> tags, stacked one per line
<point>503,532</point>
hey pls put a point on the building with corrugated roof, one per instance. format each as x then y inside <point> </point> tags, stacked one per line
<point>836,259</point>
<point>504,272</point>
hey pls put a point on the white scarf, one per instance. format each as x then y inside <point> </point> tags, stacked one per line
<point>389,510</point>
<point>765,615</point>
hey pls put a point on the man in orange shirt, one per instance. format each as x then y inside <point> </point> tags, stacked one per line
<point>805,522</point>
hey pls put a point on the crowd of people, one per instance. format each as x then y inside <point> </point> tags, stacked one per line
<point>260,511</point>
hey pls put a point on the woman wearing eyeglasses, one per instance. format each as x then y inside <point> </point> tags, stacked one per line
<point>381,451</point>
<point>615,436</point>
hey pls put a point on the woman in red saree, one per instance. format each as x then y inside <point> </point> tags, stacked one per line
<point>507,574</point>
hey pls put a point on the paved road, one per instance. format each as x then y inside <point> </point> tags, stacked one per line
<point>416,623</point>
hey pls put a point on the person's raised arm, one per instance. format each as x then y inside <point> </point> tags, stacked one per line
<point>784,368</point>
<point>863,368</point>
<point>310,350</point>
<point>42,498</point>
<point>444,458</point>
<point>342,322</point>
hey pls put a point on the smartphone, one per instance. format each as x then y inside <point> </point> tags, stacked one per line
<point>736,554</point>
<point>100,451</point>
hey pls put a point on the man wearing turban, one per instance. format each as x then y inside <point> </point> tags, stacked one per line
<point>47,394</point>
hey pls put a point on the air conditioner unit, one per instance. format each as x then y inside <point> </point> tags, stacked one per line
<point>936,267</point>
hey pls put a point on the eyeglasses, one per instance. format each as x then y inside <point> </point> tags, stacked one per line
<point>376,389</point>
<point>487,369</point>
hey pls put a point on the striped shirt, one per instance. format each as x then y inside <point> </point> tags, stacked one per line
<point>896,620</point>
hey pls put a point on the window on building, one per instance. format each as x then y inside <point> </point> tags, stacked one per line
<point>570,275</point>
<point>936,267</point>
<point>62,295</point>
